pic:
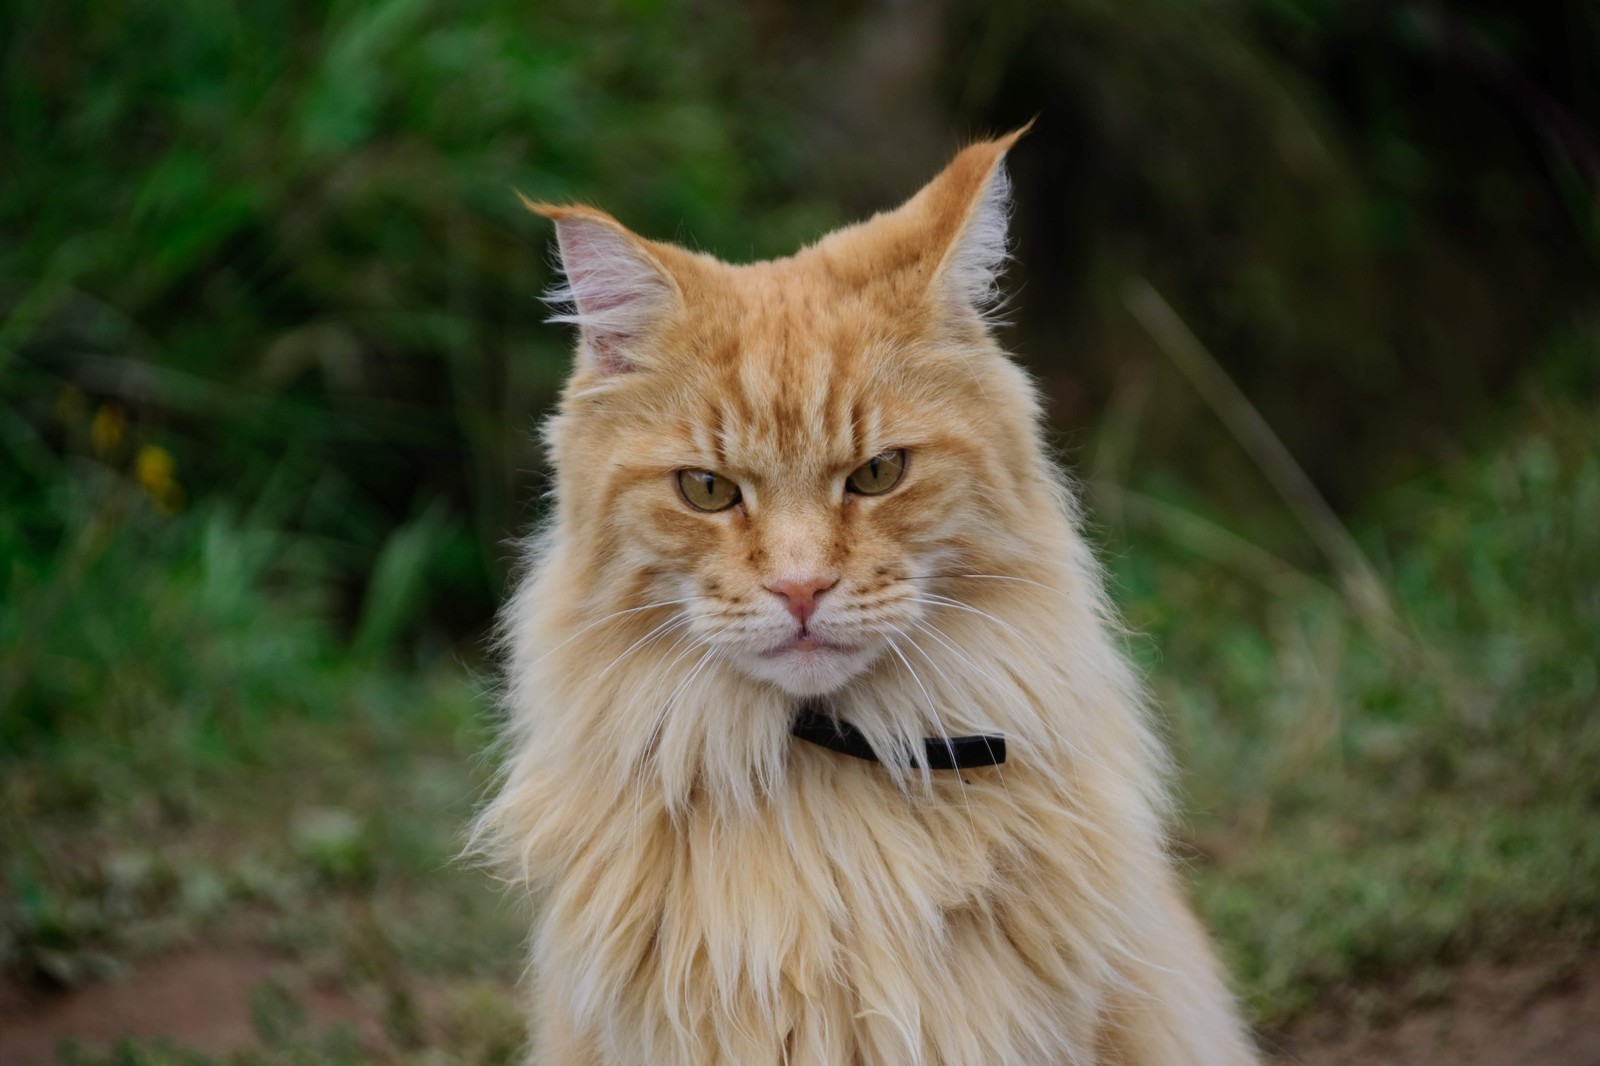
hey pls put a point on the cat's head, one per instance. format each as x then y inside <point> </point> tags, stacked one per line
<point>793,456</point>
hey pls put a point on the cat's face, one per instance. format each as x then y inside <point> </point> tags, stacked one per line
<point>787,456</point>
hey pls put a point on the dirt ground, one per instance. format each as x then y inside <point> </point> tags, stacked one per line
<point>1533,1014</point>
<point>201,1000</point>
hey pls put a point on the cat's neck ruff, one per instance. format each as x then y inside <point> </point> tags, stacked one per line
<point>815,725</point>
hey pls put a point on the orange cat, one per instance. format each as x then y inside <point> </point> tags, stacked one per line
<point>816,486</point>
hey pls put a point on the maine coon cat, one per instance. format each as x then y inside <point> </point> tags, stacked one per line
<point>816,485</point>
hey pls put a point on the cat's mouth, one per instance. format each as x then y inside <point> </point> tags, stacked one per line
<point>807,662</point>
<point>806,640</point>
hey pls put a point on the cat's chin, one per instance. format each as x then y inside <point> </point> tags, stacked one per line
<point>810,669</point>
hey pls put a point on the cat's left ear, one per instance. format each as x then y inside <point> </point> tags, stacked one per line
<point>963,213</point>
<point>616,288</point>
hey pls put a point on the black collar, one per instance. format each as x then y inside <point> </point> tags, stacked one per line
<point>956,753</point>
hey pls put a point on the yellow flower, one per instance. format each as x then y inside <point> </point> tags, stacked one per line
<point>157,471</point>
<point>105,432</point>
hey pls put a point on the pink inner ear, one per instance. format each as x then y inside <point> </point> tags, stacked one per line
<point>614,289</point>
<point>599,282</point>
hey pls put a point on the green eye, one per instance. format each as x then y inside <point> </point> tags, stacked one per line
<point>879,474</point>
<point>705,491</point>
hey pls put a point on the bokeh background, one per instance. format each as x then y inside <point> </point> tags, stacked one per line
<point>1310,286</point>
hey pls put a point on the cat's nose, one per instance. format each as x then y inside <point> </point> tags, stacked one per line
<point>800,593</point>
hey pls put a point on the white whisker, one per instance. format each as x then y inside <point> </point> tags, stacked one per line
<point>938,724</point>
<point>1036,713</point>
<point>606,618</point>
<point>949,681</point>
<point>935,600</point>
<point>647,752</point>
<point>989,577</point>
<point>667,626</point>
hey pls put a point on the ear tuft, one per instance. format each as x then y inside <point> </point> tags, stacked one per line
<point>977,260</point>
<point>964,215</point>
<point>611,287</point>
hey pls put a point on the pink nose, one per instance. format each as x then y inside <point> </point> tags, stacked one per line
<point>800,594</point>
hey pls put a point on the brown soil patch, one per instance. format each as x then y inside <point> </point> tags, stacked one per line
<point>1532,1014</point>
<point>199,1000</point>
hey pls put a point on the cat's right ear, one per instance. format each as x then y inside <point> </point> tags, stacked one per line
<point>613,288</point>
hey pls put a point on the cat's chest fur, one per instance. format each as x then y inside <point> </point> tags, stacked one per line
<point>839,923</point>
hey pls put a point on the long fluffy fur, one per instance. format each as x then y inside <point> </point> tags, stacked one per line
<point>713,891</point>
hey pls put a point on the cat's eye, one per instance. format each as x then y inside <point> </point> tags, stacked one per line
<point>705,491</point>
<point>879,474</point>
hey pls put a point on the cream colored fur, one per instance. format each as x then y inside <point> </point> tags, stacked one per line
<point>712,890</point>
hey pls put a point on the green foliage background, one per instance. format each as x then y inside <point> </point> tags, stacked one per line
<point>271,354</point>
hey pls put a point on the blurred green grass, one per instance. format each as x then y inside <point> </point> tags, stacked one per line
<point>1372,799</point>
<point>270,355</point>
